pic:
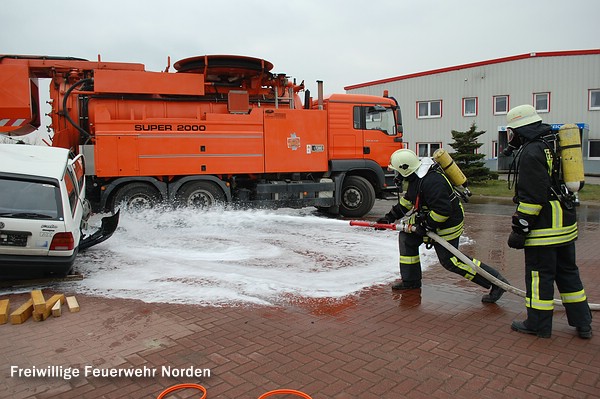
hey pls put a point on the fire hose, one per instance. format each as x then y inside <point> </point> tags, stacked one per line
<point>408,228</point>
<point>178,387</point>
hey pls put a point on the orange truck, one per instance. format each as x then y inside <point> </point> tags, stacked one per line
<point>221,128</point>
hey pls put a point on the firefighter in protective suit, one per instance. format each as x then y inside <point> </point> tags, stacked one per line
<point>433,205</point>
<point>545,226</point>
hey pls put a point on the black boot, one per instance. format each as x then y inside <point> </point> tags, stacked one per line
<point>496,292</point>
<point>584,332</point>
<point>520,326</point>
<point>406,285</point>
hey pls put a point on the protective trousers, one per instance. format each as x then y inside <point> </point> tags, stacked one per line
<point>410,261</point>
<point>543,267</point>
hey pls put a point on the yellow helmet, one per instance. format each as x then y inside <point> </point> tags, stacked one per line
<point>404,161</point>
<point>522,115</point>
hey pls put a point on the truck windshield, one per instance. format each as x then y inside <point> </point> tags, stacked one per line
<point>29,200</point>
<point>378,119</point>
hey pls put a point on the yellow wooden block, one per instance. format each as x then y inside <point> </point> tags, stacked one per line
<point>39,303</point>
<point>4,308</point>
<point>56,309</point>
<point>22,313</point>
<point>51,303</point>
<point>54,299</point>
<point>72,303</point>
<point>38,316</point>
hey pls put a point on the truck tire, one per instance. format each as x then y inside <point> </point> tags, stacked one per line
<point>136,197</point>
<point>358,197</point>
<point>200,195</point>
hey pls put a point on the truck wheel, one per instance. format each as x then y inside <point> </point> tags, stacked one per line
<point>136,197</point>
<point>200,195</point>
<point>358,197</point>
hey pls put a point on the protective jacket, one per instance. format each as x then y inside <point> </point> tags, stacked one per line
<point>434,198</point>
<point>547,221</point>
<point>436,206</point>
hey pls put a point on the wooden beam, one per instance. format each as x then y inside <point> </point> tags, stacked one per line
<point>4,308</point>
<point>54,299</point>
<point>22,313</point>
<point>39,302</point>
<point>72,303</point>
<point>56,309</point>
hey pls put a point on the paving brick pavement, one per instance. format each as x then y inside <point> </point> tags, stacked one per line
<point>439,342</point>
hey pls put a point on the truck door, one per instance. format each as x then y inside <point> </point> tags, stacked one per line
<point>345,130</point>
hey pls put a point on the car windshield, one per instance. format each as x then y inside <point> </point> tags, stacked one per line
<point>26,199</point>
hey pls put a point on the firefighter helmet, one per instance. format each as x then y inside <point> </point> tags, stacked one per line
<point>522,115</point>
<point>404,161</point>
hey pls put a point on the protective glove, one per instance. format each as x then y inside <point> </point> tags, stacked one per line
<point>521,224</point>
<point>422,228</point>
<point>516,240</point>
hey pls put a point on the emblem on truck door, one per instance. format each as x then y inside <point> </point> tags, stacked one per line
<point>293,142</point>
<point>310,148</point>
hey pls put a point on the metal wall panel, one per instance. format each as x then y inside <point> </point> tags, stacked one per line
<point>568,79</point>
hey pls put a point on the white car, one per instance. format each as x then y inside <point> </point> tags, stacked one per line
<point>43,211</point>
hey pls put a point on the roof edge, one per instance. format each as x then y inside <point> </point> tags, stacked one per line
<point>476,64</point>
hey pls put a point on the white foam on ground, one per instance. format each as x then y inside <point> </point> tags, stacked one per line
<point>225,257</point>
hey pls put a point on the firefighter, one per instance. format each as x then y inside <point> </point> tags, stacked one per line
<point>545,226</point>
<point>431,203</point>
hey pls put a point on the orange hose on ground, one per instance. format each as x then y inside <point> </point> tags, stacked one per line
<point>177,387</point>
<point>284,392</point>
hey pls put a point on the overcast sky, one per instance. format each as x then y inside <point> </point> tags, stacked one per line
<point>342,42</point>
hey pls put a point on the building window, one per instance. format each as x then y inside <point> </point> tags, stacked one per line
<point>494,149</point>
<point>470,106</point>
<point>427,149</point>
<point>594,100</point>
<point>594,149</point>
<point>500,105</point>
<point>542,102</point>
<point>429,109</point>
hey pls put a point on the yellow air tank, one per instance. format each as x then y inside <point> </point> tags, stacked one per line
<point>451,169</point>
<point>571,157</point>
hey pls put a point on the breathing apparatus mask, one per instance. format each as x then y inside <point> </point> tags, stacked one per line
<point>398,180</point>
<point>514,142</point>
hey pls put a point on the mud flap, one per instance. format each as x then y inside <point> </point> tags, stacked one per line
<point>108,227</point>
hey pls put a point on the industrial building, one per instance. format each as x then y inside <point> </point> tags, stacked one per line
<point>564,87</point>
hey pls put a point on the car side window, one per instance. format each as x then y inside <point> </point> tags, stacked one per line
<point>79,172</point>
<point>71,190</point>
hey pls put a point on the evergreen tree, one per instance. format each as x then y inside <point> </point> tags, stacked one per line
<point>466,157</point>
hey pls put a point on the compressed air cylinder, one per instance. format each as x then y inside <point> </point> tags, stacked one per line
<point>451,169</point>
<point>571,157</point>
